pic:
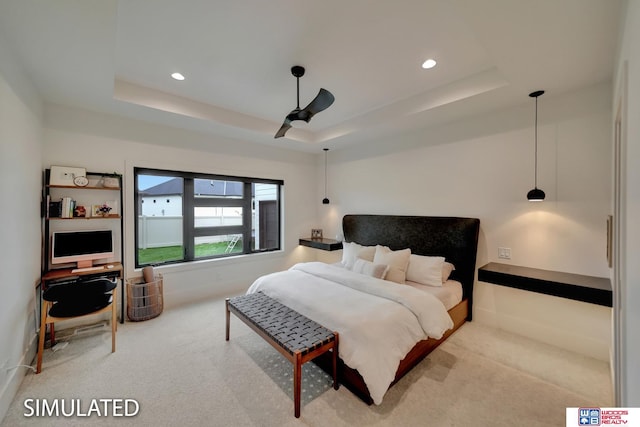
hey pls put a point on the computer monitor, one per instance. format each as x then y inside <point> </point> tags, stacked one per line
<point>82,247</point>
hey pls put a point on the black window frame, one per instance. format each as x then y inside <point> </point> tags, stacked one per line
<point>190,202</point>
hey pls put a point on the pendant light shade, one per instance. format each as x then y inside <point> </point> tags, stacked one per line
<point>536,195</point>
<point>325,201</point>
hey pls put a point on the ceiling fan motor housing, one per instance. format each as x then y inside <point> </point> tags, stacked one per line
<point>297,71</point>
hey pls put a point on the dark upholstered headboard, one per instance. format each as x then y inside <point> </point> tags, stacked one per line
<point>454,238</point>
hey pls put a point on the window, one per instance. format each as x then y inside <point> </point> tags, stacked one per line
<point>184,216</point>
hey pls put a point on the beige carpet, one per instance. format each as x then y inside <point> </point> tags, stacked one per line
<point>182,372</point>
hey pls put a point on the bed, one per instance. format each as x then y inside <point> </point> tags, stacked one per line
<point>373,316</point>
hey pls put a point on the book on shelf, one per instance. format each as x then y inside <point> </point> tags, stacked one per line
<point>68,205</point>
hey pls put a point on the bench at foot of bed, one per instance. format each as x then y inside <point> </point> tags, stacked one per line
<point>295,336</point>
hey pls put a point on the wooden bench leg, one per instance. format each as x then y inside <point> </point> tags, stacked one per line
<point>228,317</point>
<point>297,378</point>
<point>336,385</point>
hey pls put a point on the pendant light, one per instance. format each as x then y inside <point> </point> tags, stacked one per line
<point>325,201</point>
<point>536,195</point>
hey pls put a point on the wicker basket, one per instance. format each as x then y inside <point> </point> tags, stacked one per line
<point>144,300</point>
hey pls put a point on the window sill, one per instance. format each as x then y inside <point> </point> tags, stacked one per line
<point>208,263</point>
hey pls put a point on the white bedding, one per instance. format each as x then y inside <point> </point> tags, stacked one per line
<point>379,322</point>
<point>450,293</point>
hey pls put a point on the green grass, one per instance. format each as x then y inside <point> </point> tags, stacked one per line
<point>173,253</point>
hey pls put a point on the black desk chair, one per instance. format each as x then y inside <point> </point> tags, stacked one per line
<point>81,298</point>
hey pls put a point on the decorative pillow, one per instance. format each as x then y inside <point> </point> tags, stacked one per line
<point>396,260</point>
<point>351,251</point>
<point>447,268</point>
<point>362,266</point>
<point>426,270</point>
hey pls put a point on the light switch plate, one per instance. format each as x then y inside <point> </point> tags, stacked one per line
<point>504,253</point>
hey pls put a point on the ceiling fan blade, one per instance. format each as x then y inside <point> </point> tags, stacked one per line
<point>321,102</point>
<point>284,128</point>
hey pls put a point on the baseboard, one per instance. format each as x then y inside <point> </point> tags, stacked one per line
<point>14,377</point>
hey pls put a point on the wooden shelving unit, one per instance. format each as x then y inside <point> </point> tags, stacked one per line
<point>88,196</point>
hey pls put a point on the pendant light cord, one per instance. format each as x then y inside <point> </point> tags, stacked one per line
<point>535,174</point>
<point>325,172</point>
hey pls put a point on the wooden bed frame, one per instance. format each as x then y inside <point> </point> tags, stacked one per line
<point>452,237</point>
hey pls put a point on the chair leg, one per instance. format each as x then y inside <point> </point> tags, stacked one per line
<point>43,332</point>
<point>114,323</point>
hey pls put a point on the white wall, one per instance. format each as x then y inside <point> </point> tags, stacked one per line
<point>20,189</point>
<point>628,387</point>
<point>107,143</point>
<point>484,168</point>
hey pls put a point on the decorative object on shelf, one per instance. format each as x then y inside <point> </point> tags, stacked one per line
<point>110,182</point>
<point>80,181</point>
<point>101,210</point>
<point>536,195</point>
<point>325,201</point>
<point>80,212</point>
<point>316,233</point>
<point>64,175</point>
<point>54,208</point>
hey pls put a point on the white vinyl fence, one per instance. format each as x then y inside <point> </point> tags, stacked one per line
<point>161,231</point>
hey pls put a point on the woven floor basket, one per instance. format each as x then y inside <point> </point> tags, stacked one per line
<point>144,300</point>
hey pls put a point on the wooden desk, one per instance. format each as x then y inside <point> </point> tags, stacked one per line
<point>67,274</point>
<point>63,273</point>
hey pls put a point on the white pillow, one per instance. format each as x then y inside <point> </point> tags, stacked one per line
<point>447,268</point>
<point>362,266</point>
<point>396,260</point>
<point>351,251</point>
<point>426,270</point>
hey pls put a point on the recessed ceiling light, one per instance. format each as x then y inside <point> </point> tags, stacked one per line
<point>429,63</point>
<point>177,76</point>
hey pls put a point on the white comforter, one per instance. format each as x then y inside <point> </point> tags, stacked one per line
<point>378,321</point>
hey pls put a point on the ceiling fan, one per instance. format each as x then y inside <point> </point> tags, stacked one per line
<point>321,102</point>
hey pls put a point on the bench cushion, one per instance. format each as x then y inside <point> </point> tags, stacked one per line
<point>289,329</point>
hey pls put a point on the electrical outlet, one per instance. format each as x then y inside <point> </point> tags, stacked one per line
<point>504,253</point>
